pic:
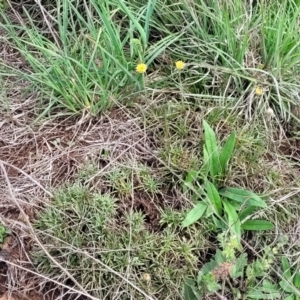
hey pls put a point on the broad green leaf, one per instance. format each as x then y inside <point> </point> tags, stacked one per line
<point>286,267</point>
<point>189,180</point>
<point>190,290</point>
<point>257,225</point>
<point>291,297</point>
<point>214,197</point>
<point>191,176</point>
<point>297,280</point>
<point>267,291</point>
<point>241,195</point>
<point>219,257</point>
<point>236,205</point>
<point>267,286</point>
<point>195,214</point>
<point>246,212</point>
<point>233,220</point>
<point>209,211</point>
<point>219,223</point>
<point>208,267</point>
<point>227,152</point>
<point>286,286</point>
<point>239,267</point>
<point>200,276</point>
<point>212,150</point>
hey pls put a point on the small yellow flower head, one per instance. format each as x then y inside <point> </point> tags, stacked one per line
<point>141,68</point>
<point>258,91</point>
<point>179,64</point>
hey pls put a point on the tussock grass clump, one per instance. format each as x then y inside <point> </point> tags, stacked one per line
<point>83,58</point>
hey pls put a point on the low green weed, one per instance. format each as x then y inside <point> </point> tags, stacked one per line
<point>82,230</point>
<point>229,208</point>
<point>232,272</point>
<point>290,283</point>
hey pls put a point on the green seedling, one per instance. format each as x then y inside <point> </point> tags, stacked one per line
<point>3,234</point>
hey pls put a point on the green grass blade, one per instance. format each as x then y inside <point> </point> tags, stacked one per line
<point>137,25</point>
<point>155,50</point>
<point>111,30</point>
<point>150,9</point>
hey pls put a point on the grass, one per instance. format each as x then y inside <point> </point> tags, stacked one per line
<point>80,222</point>
<point>124,157</point>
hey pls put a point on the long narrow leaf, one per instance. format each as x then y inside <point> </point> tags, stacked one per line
<point>205,166</point>
<point>246,212</point>
<point>243,196</point>
<point>150,9</point>
<point>212,150</point>
<point>156,49</point>
<point>257,225</point>
<point>110,28</point>
<point>214,197</point>
<point>233,220</point>
<point>261,295</point>
<point>134,21</point>
<point>297,280</point>
<point>286,268</point>
<point>227,152</point>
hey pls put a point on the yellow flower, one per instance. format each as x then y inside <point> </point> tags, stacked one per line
<point>179,64</point>
<point>258,91</point>
<point>141,68</point>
